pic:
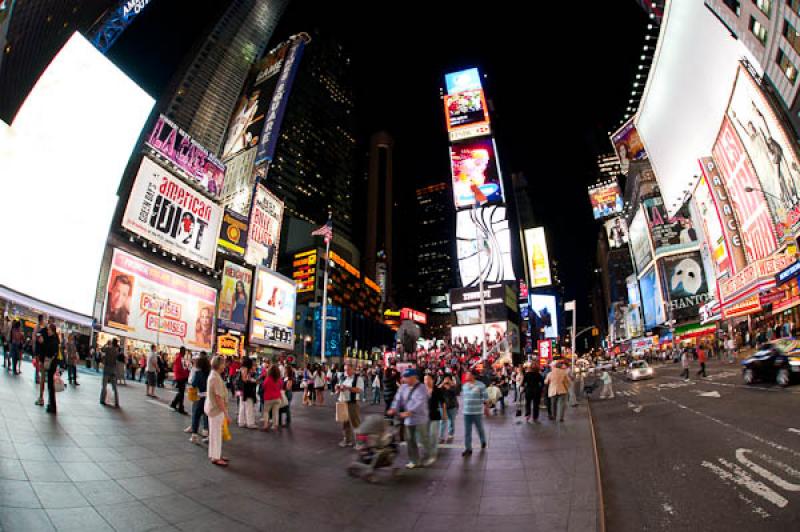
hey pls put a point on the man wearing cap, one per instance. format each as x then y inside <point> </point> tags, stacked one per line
<point>411,404</point>
<point>474,399</point>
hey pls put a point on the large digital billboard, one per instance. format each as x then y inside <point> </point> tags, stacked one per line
<point>264,231</point>
<point>234,296</point>
<point>60,165</point>
<point>617,232</point>
<point>463,80</point>
<point>168,212</point>
<point>107,30</point>
<point>155,305</point>
<point>537,256</point>
<point>495,332</point>
<point>473,163</point>
<point>483,243</point>
<point>272,318</point>
<point>771,151</point>
<point>180,149</point>
<point>467,114</point>
<point>606,200</point>
<point>628,146</point>
<point>686,285</point>
<point>748,201</point>
<point>639,237</point>
<point>545,314</point>
<point>669,234</point>
<point>652,302</point>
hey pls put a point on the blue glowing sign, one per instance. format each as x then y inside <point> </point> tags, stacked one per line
<point>108,29</point>
<point>463,80</point>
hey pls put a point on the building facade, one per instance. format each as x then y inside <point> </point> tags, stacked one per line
<point>380,207</point>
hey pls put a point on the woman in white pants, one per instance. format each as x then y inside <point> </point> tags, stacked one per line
<point>247,393</point>
<point>217,411</point>
<point>608,391</point>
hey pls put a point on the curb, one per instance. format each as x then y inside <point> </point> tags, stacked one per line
<point>600,497</point>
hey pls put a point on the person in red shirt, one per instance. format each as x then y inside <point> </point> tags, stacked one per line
<point>181,375</point>
<point>701,358</point>
<point>272,397</point>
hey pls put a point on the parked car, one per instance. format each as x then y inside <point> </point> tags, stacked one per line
<point>777,362</point>
<point>638,370</point>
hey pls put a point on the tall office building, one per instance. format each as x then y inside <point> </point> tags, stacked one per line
<point>36,31</point>
<point>202,97</point>
<point>378,250</point>
<point>314,165</point>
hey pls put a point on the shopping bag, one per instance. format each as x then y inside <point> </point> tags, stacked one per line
<point>226,431</point>
<point>342,415</point>
<point>284,400</point>
<point>192,394</point>
<point>58,383</point>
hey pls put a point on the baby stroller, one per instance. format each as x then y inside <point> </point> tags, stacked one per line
<point>376,448</point>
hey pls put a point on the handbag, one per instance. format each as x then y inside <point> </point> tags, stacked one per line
<point>342,415</point>
<point>193,394</point>
<point>226,431</point>
<point>284,400</point>
<point>58,383</point>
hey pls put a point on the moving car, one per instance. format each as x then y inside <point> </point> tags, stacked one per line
<point>777,362</point>
<point>638,370</point>
<point>606,364</point>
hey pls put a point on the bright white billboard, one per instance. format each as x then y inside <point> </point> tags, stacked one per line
<point>60,165</point>
<point>168,212</point>
<point>538,258</point>
<point>484,244</point>
<point>545,314</point>
<point>495,332</point>
<point>264,232</point>
<point>686,95</point>
<point>272,318</point>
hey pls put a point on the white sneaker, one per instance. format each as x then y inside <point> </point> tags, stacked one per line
<point>429,462</point>
<point>194,439</point>
<point>188,429</point>
<point>204,432</point>
<point>412,465</point>
<point>343,443</point>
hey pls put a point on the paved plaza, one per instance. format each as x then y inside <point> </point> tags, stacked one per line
<point>93,468</point>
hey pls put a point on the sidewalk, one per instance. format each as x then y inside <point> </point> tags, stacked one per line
<point>94,468</point>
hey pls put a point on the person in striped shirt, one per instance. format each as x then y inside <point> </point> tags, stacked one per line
<point>474,400</point>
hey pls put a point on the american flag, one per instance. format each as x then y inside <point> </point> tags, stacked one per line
<point>325,231</point>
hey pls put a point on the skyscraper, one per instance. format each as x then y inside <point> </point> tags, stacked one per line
<point>378,251</point>
<point>202,97</point>
<point>36,32</point>
<point>314,165</point>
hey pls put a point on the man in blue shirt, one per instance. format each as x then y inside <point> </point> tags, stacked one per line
<point>474,399</point>
<point>411,402</point>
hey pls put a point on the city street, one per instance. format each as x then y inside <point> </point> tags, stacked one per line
<point>92,468</point>
<point>708,454</point>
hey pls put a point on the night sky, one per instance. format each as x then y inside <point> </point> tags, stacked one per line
<point>559,80</point>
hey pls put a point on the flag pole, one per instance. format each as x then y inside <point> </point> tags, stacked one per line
<point>324,325</point>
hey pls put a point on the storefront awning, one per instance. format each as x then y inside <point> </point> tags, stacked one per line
<point>694,330</point>
<point>40,307</point>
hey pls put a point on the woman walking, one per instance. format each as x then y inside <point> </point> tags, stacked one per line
<point>216,410</point>
<point>272,398</point>
<point>319,385</point>
<point>200,381</point>
<point>246,390</point>
<point>288,386</point>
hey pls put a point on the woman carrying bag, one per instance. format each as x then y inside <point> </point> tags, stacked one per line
<point>216,410</point>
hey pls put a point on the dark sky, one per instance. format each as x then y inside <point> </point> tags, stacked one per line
<point>559,76</point>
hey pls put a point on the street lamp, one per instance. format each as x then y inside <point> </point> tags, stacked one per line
<point>753,189</point>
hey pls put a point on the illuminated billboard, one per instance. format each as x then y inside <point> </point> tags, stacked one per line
<point>463,80</point>
<point>686,285</point>
<point>114,21</point>
<point>606,200</point>
<point>273,308</point>
<point>168,212</point>
<point>639,236</point>
<point>771,151</point>
<point>237,191</point>
<point>180,149</point>
<point>617,232</point>
<point>483,244</point>
<point>467,114</point>
<point>652,302</point>
<point>545,314</point>
<point>628,146</point>
<point>669,234</point>
<point>154,305</point>
<point>304,273</point>
<point>61,161</point>
<point>495,332</point>
<point>234,296</point>
<point>473,163</point>
<point>747,198</point>
<point>233,236</point>
<point>264,230</point>
<point>537,256</point>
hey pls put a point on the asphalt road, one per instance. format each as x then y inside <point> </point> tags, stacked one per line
<point>705,455</point>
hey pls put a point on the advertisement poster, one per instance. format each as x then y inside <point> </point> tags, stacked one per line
<point>628,146</point>
<point>473,164</point>
<point>233,236</point>
<point>633,322</point>
<point>333,332</point>
<point>712,225</point>
<point>237,192</point>
<point>686,285</point>
<point>538,258</point>
<point>752,211</point>
<point>606,200</point>
<point>168,212</point>
<point>483,243</point>
<point>465,109</point>
<point>272,320</point>
<point>264,230</point>
<point>652,302</point>
<point>180,149</point>
<point>639,236</point>
<point>545,314</point>
<point>154,305</point>
<point>717,205</point>
<point>669,234</point>
<point>617,232</point>
<point>771,152</point>
<point>247,122</point>
<point>463,80</point>
<point>234,297</point>
<point>495,332</point>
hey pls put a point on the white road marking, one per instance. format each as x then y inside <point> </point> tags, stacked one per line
<point>159,403</point>
<point>769,475</point>
<point>668,509</point>
<point>796,431</point>
<point>741,478</point>
<point>633,406</point>
<point>710,394</point>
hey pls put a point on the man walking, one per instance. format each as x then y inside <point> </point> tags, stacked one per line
<point>701,359</point>
<point>532,388</point>
<point>350,390</point>
<point>411,404</point>
<point>110,355</point>
<point>181,374</point>
<point>151,369</point>
<point>558,382</point>
<point>685,365</point>
<point>391,381</point>
<point>72,361</point>
<point>474,399</point>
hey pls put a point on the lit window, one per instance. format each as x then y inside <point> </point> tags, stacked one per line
<point>792,35</point>
<point>758,30</point>
<point>786,66</point>
<point>764,5</point>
